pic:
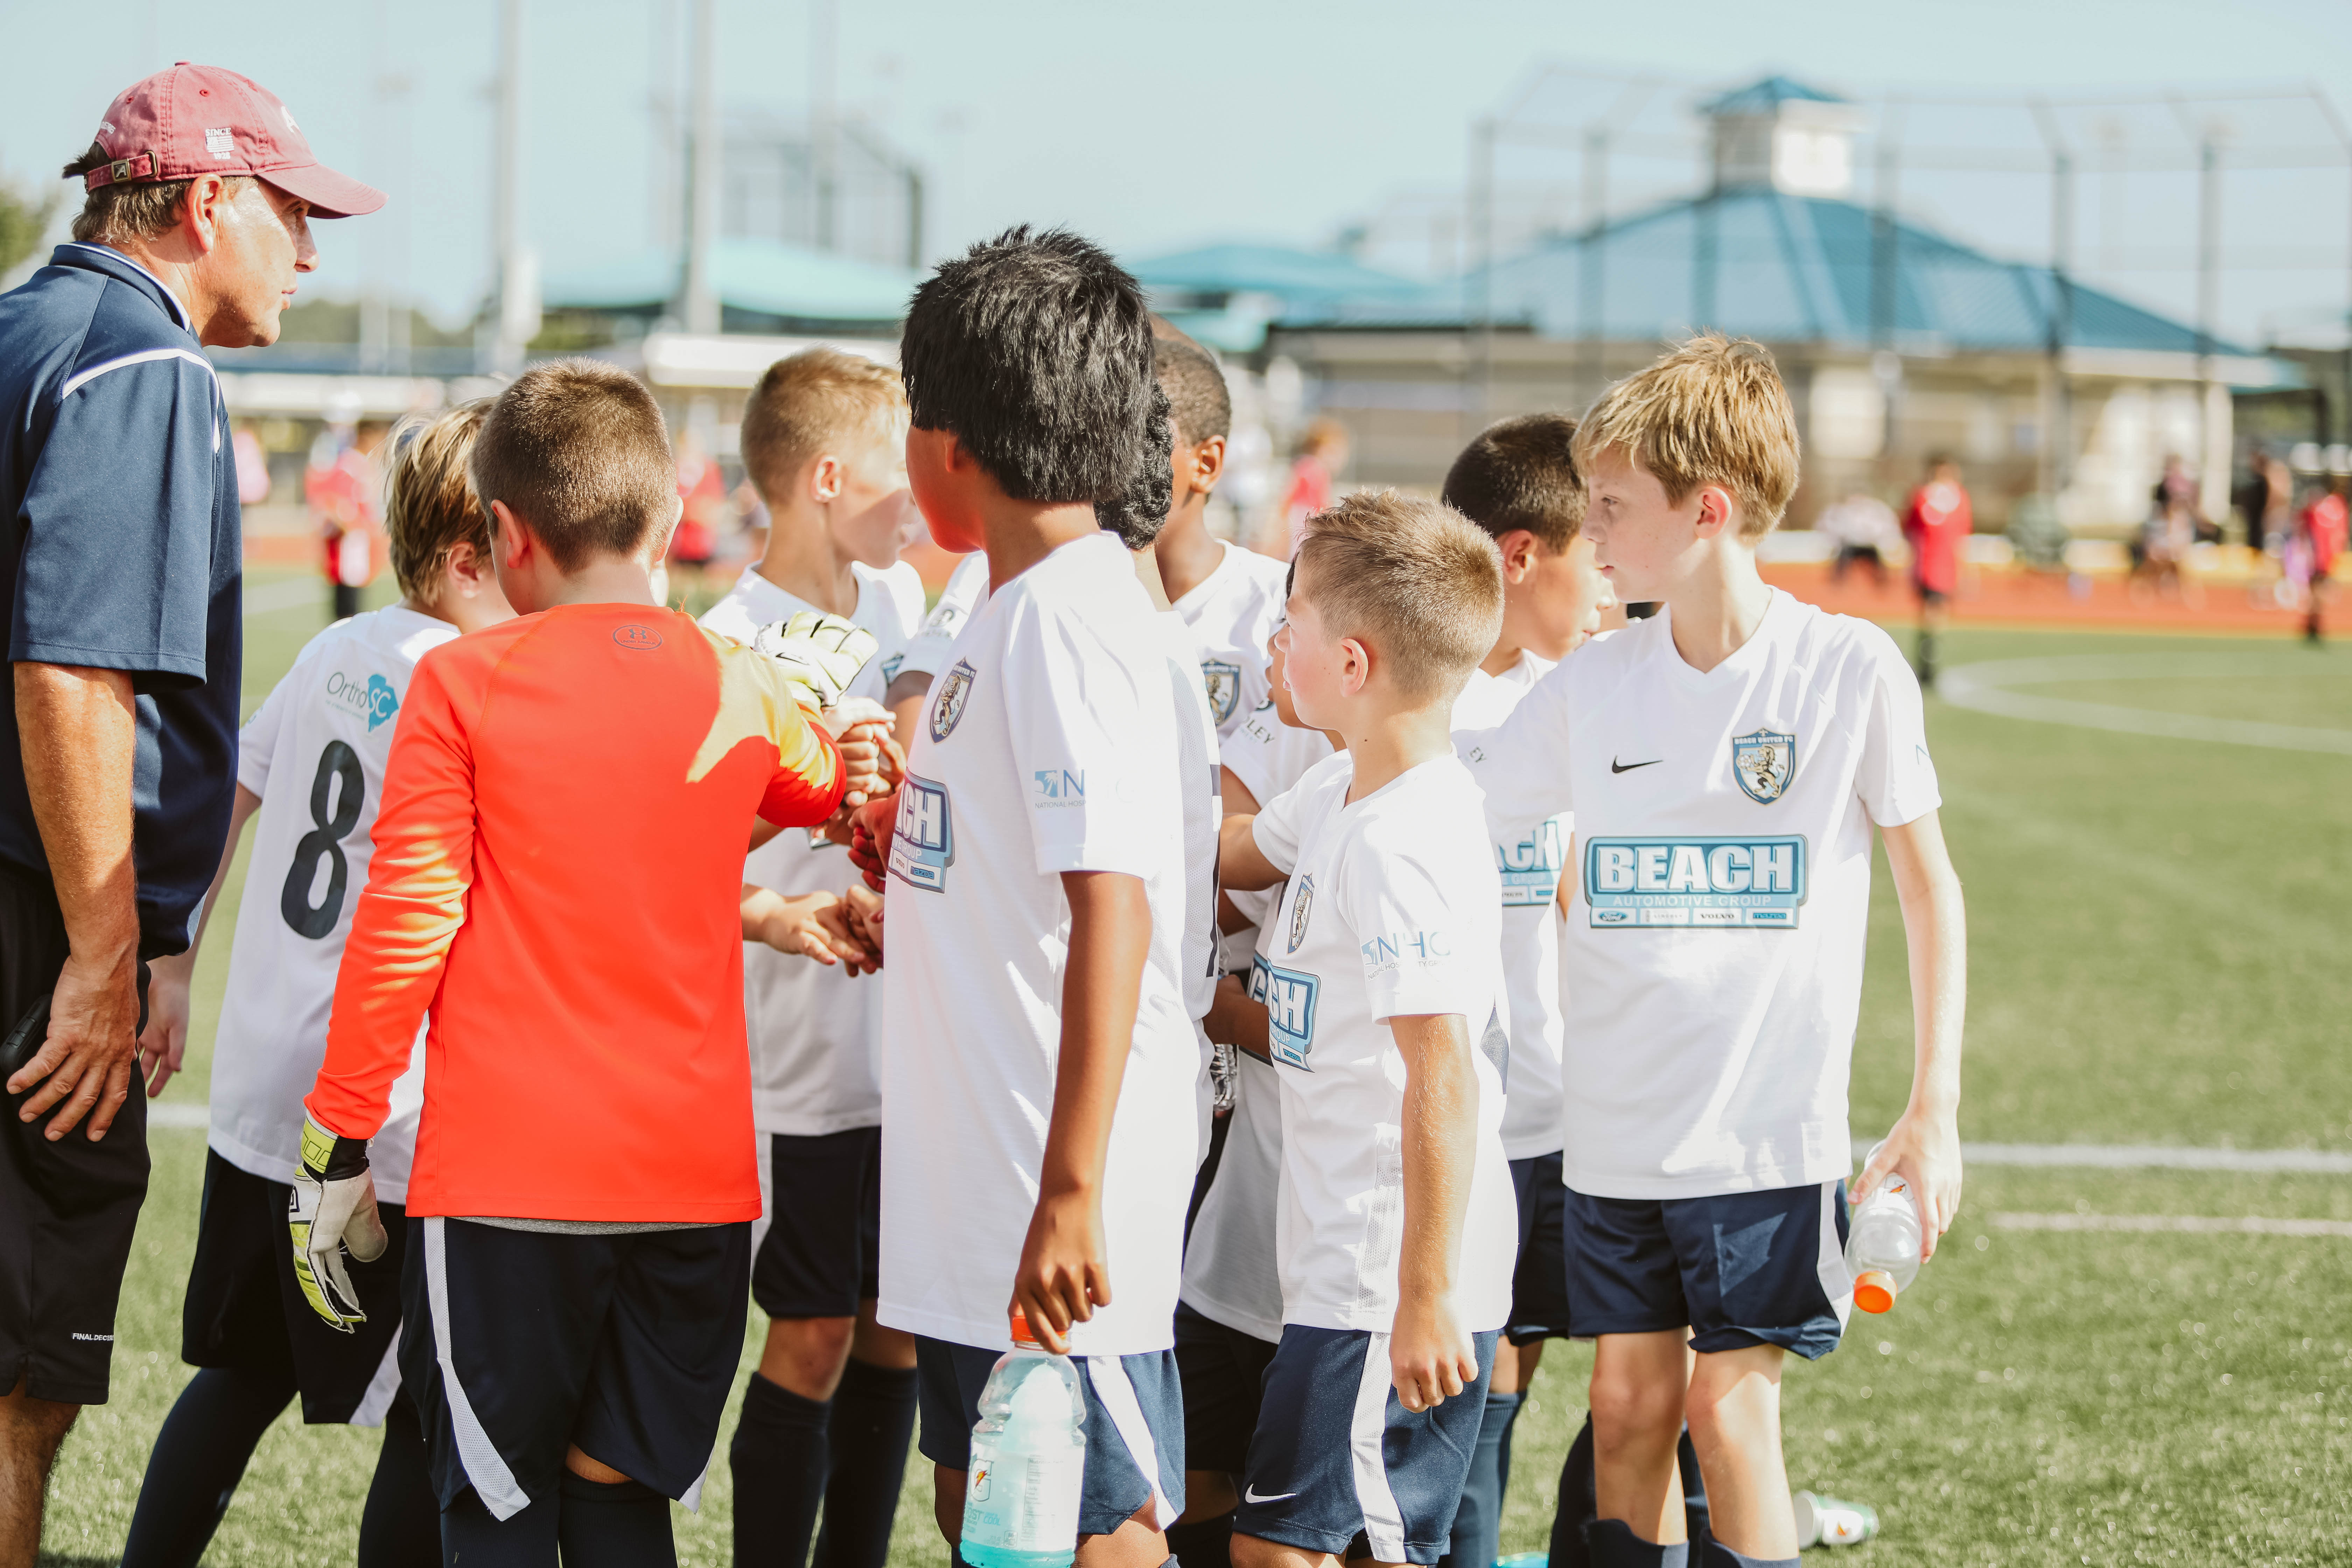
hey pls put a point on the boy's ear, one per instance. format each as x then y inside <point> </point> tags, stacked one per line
<point>510,538</point>
<point>1208,464</point>
<point>1714,510</point>
<point>1520,548</point>
<point>1355,673</point>
<point>825,479</point>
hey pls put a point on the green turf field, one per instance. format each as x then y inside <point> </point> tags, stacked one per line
<point>2162,953</point>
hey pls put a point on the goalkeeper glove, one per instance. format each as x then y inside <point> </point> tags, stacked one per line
<point>332,1211</point>
<point>821,654</point>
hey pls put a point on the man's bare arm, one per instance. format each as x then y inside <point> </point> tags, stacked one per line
<point>1431,1358</point>
<point>79,731</point>
<point>1924,1144</point>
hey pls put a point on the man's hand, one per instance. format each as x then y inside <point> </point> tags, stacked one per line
<point>1431,1360</point>
<point>92,1049</point>
<point>1065,1271</point>
<point>870,829</point>
<point>818,926</point>
<point>165,1042</point>
<point>333,1210</point>
<point>821,654</point>
<point>1925,1149</point>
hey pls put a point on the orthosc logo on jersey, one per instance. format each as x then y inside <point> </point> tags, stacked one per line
<point>1530,867</point>
<point>922,841</point>
<point>1723,883</point>
<point>1224,685</point>
<point>955,692</point>
<point>1289,998</point>
<point>372,699</point>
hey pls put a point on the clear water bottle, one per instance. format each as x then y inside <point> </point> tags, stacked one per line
<point>1028,1461</point>
<point>1882,1244</point>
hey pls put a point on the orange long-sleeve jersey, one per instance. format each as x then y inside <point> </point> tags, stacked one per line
<point>557,869</point>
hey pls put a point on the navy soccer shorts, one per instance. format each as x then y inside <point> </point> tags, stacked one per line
<point>1222,1371</point>
<point>244,1309</point>
<point>1737,1269</point>
<point>816,1250</point>
<point>518,1343</point>
<point>1135,1427</point>
<point>1337,1465</point>
<point>1539,1282</point>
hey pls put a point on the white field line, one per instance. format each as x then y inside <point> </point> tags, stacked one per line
<point>1984,687</point>
<point>293,593</point>
<point>2194,1224</point>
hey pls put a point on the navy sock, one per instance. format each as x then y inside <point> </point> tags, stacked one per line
<point>1614,1545</point>
<point>779,1459</point>
<point>1718,1555</point>
<point>873,1421</point>
<point>614,1524</point>
<point>1694,1495</point>
<point>1577,1507</point>
<point>471,1537</point>
<point>401,1527</point>
<point>199,1457</point>
<point>1204,1543</point>
<point>1478,1517</point>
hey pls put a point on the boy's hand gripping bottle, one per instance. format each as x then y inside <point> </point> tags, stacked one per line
<point>1028,1461</point>
<point>1882,1245</point>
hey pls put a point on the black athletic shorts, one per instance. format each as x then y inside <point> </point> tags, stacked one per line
<point>246,1310</point>
<point>821,1250</point>
<point>1540,1283</point>
<point>68,1209</point>
<point>516,1345</point>
<point>1222,1371</point>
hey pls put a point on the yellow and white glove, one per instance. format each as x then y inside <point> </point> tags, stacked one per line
<point>332,1211</point>
<point>821,654</point>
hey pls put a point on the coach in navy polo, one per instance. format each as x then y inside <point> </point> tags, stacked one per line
<point>119,581</point>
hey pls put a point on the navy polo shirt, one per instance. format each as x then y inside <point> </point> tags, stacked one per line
<point>117,488</point>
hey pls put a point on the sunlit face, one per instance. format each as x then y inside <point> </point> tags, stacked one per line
<point>872,507</point>
<point>1320,671</point>
<point>1280,693</point>
<point>261,246</point>
<point>1642,543</point>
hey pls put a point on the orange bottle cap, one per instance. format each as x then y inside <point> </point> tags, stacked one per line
<point>1873,1291</point>
<point>1022,1336</point>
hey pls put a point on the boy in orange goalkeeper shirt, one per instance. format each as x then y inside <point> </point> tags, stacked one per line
<point>557,870</point>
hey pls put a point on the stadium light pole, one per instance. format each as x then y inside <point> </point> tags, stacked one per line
<point>1591,276</point>
<point>517,320</point>
<point>2344,137</point>
<point>1480,391</point>
<point>701,306</point>
<point>2057,448</point>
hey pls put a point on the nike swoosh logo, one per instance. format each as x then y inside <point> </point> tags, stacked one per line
<point>1250,1494</point>
<point>1617,767</point>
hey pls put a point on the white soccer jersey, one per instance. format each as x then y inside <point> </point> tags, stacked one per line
<point>314,752</point>
<point>1266,757</point>
<point>1233,612</point>
<point>967,585</point>
<point>1528,859</point>
<point>1049,744</point>
<point>1393,909</point>
<point>1713,959</point>
<point>812,1027</point>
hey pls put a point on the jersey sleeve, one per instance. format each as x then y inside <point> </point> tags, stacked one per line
<point>256,744</point>
<point>926,650</point>
<point>1522,762</point>
<point>116,571</point>
<point>1895,777</point>
<point>809,782</point>
<point>1079,719</point>
<point>1415,943</point>
<point>412,907</point>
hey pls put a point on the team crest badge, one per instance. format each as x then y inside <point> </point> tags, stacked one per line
<point>946,707</point>
<point>1300,908</point>
<point>1763,763</point>
<point>1224,683</point>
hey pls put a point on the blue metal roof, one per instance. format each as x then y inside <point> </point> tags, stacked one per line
<point>756,275</point>
<point>1293,277</point>
<point>1763,97</point>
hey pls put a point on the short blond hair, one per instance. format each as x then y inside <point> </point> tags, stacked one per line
<point>803,406</point>
<point>1713,412</point>
<point>1414,579</point>
<point>429,507</point>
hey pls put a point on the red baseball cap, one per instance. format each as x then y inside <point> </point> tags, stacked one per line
<point>201,120</point>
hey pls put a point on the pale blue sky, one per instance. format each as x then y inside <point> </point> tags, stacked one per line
<point>1157,128</point>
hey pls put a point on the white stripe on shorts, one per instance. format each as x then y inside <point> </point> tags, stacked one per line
<point>1117,1395</point>
<point>1383,1519</point>
<point>1829,1265</point>
<point>484,1466</point>
<point>380,1388</point>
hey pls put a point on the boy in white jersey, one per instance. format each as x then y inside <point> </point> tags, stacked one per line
<point>1727,762</point>
<point>827,1417</point>
<point>1229,596</point>
<point>1397,1225</point>
<point>1519,481</point>
<point>310,765</point>
<point>1039,1067</point>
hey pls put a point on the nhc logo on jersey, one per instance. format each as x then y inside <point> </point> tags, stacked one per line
<point>1060,786</point>
<point>1763,762</point>
<point>1288,998</point>
<point>1224,683</point>
<point>922,843</point>
<point>955,691</point>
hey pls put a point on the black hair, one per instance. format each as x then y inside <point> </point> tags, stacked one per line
<point>1137,513</point>
<point>1035,351</point>
<point>1197,387</point>
<point>1520,474</point>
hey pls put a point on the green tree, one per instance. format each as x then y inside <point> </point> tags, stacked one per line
<point>24,224</point>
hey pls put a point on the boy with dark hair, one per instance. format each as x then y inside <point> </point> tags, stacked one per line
<point>1385,1003</point>
<point>828,1413</point>
<point>1039,1045</point>
<point>324,732</point>
<point>1727,762</point>
<point>557,871</point>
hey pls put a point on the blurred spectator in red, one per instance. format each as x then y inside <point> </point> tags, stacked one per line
<point>346,496</point>
<point>1322,453</point>
<point>1863,527</point>
<point>2309,554</point>
<point>252,466</point>
<point>1935,523</point>
<point>696,541</point>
